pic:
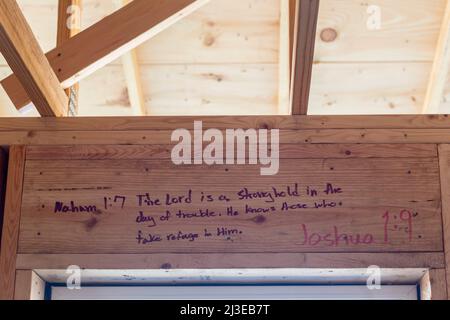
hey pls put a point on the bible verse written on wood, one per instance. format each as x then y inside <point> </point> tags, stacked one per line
<point>178,210</point>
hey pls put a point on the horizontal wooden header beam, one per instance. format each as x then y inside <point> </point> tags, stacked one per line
<point>65,31</point>
<point>107,40</point>
<point>225,122</point>
<point>293,129</point>
<point>232,260</point>
<point>163,137</point>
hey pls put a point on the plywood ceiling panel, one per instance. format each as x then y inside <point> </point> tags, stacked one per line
<point>362,70</point>
<point>408,30</point>
<point>369,88</point>
<point>222,59</point>
<point>187,89</point>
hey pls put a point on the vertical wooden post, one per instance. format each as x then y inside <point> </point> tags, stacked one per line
<point>304,42</point>
<point>133,76</point>
<point>444,167</point>
<point>69,26</point>
<point>3,171</point>
<point>292,23</point>
<point>10,234</point>
<point>284,59</point>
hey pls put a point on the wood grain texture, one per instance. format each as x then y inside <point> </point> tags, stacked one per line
<point>198,89</point>
<point>371,61</point>
<point>231,260</point>
<point>369,88</point>
<point>292,22</point>
<point>69,25</point>
<point>28,131</point>
<point>28,62</point>
<point>69,22</point>
<point>226,122</point>
<point>318,129</point>
<point>106,41</point>
<point>212,34</point>
<point>185,89</point>
<point>287,151</point>
<point>433,285</point>
<point>284,59</point>
<point>386,66</point>
<point>161,137</point>
<point>306,24</point>
<point>3,174</point>
<point>440,69</point>
<point>209,38</point>
<point>29,286</point>
<point>409,31</point>
<point>438,284</point>
<point>372,187</point>
<point>444,165</point>
<point>11,221</point>
<point>132,74</point>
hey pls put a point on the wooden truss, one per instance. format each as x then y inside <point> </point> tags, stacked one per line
<point>41,78</point>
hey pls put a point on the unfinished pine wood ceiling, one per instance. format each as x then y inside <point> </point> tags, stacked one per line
<point>231,57</point>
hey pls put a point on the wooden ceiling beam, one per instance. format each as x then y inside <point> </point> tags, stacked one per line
<point>31,68</point>
<point>292,34</point>
<point>69,25</point>
<point>284,59</point>
<point>304,42</point>
<point>132,76</point>
<point>134,84</point>
<point>107,40</point>
<point>440,69</point>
